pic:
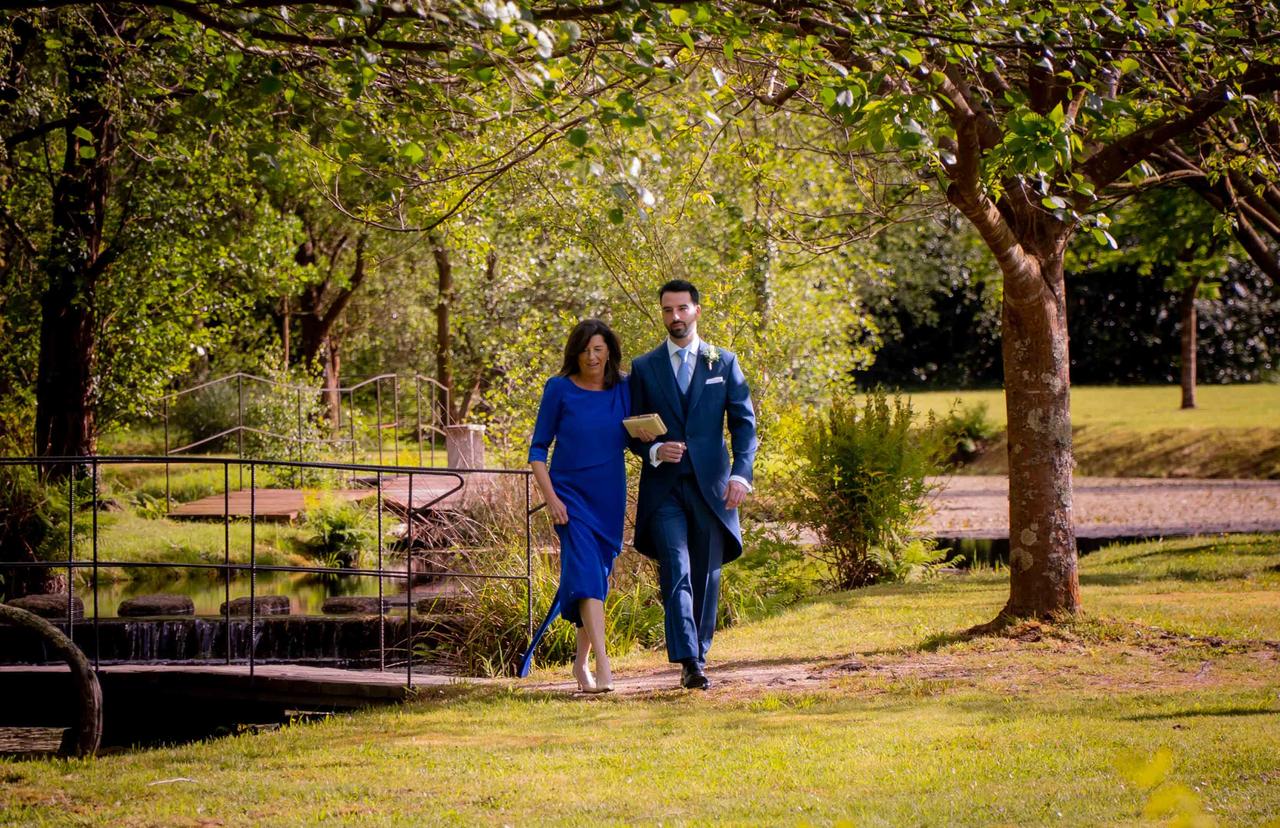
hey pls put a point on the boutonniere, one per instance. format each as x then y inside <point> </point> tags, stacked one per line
<point>712,355</point>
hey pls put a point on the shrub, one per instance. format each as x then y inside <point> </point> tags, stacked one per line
<point>342,530</point>
<point>966,430</point>
<point>773,573</point>
<point>919,560</point>
<point>863,484</point>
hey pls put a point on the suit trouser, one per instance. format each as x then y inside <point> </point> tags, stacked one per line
<point>689,541</point>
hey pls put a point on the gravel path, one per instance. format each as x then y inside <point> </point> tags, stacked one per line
<point>1113,507</point>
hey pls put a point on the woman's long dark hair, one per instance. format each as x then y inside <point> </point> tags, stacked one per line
<point>580,337</point>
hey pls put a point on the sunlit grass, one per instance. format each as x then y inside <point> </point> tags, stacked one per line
<point>1068,728</point>
<point>1138,408</point>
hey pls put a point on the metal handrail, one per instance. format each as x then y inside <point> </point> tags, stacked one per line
<point>94,463</point>
<point>432,427</point>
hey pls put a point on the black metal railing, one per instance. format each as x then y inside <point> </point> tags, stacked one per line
<point>427,429</point>
<point>89,468</point>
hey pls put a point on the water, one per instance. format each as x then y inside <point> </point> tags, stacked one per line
<point>306,592</point>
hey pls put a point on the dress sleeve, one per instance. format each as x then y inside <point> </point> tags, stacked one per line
<point>548,422</point>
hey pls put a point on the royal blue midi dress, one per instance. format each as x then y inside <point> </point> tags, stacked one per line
<point>588,473</point>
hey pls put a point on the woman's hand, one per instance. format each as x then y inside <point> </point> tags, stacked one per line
<point>646,436</point>
<point>559,514</point>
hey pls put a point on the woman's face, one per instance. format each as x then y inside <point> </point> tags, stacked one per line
<point>592,360</point>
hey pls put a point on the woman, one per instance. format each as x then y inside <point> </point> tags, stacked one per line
<point>586,488</point>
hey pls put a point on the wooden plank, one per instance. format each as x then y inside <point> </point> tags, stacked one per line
<point>268,504</point>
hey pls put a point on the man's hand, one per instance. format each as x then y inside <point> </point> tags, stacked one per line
<point>734,494</point>
<point>670,452</point>
<point>559,514</point>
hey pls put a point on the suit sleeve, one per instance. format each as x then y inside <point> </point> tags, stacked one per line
<point>742,422</point>
<point>639,405</point>
<point>548,422</point>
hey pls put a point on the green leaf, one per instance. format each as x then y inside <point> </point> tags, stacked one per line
<point>578,137</point>
<point>82,133</point>
<point>413,152</point>
<point>1128,65</point>
<point>679,16</point>
<point>1054,202</point>
<point>911,56</point>
<point>615,215</point>
<point>87,151</point>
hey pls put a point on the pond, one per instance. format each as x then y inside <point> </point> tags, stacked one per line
<point>306,592</point>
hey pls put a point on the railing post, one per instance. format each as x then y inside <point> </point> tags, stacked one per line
<point>97,631</point>
<point>226,554</point>
<point>297,471</point>
<point>395,419</point>
<point>71,546</point>
<point>417,392</point>
<point>168,502</point>
<point>351,421</point>
<point>377,393</point>
<point>240,424</point>
<point>382,611</point>
<point>528,562</point>
<point>253,563</point>
<point>408,589</point>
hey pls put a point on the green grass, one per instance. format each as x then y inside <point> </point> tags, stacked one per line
<point>1078,723</point>
<point>1138,408</point>
<point>124,536</point>
<point>1141,432</point>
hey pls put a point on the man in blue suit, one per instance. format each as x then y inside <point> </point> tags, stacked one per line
<point>687,515</point>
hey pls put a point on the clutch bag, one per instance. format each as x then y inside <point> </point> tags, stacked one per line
<point>644,422</point>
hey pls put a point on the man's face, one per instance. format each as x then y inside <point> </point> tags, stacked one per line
<point>680,314</point>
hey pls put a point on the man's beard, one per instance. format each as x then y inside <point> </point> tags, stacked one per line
<point>678,330</point>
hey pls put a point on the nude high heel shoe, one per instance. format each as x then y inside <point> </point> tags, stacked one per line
<point>586,682</point>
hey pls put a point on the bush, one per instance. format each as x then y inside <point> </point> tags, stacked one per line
<point>342,530</point>
<point>966,430</point>
<point>862,485</point>
<point>773,573</point>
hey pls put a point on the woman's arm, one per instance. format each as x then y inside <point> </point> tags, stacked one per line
<point>559,514</point>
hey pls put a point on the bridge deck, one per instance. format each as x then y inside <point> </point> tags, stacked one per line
<point>286,685</point>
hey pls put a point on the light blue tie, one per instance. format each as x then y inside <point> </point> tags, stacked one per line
<point>686,370</point>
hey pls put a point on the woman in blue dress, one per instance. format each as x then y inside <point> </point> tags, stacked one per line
<point>585,488</point>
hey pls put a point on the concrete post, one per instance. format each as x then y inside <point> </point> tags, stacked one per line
<point>464,445</point>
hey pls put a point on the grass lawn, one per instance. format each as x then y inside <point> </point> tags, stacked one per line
<point>1140,431</point>
<point>1165,697</point>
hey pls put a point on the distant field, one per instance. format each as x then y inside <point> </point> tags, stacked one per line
<point>1139,408</point>
<point>1141,432</point>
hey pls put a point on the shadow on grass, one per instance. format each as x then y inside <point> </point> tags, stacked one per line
<point>1212,712</point>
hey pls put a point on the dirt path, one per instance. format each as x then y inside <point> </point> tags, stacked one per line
<point>1114,507</point>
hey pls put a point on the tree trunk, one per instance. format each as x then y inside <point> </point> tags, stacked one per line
<point>333,384</point>
<point>1189,344</point>
<point>444,337</point>
<point>73,263</point>
<point>1042,542</point>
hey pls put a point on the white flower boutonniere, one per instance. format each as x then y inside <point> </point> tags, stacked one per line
<point>712,355</point>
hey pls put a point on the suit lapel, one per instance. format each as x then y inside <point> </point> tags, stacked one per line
<point>699,378</point>
<point>667,379</point>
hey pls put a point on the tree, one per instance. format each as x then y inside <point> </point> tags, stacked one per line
<point>1032,118</point>
<point>1173,235</point>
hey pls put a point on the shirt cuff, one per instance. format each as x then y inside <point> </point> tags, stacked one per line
<point>742,480</point>
<point>653,454</point>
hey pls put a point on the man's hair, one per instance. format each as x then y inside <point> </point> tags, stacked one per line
<point>679,286</point>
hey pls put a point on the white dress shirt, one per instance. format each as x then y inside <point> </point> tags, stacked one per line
<point>673,350</point>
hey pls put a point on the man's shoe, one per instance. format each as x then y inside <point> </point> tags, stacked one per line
<point>692,677</point>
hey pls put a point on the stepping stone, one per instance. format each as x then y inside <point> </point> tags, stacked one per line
<point>144,605</point>
<point>52,605</point>
<point>354,605</point>
<point>262,605</point>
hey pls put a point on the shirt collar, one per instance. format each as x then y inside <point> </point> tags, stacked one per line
<point>694,344</point>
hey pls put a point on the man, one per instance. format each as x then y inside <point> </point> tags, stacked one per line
<point>687,515</point>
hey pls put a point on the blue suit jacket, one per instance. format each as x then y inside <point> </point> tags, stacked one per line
<point>717,393</point>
